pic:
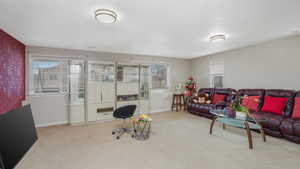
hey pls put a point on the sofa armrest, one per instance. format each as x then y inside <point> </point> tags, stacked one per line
<point>222,105</point>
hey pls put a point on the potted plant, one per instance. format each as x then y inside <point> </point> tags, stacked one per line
<point>239,111</point>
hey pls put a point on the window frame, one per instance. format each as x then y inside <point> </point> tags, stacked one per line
<point>168,76</point>
<point>30,83</point>
<point>211,79</point>
<point>214,62</point>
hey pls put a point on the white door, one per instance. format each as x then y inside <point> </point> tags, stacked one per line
<point>108,93</point>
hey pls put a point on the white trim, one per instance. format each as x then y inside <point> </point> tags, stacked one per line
<point>52,124</point>
<point>160,110</point>
<point>101,62</point>
<point>63,56</point>
<point>127,64</point>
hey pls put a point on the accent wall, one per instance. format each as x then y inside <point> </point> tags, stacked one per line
<point>12,72</point>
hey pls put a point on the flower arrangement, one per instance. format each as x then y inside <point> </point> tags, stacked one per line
<point>236,105</point>
<point>190,86</point>
<point>236,110</point>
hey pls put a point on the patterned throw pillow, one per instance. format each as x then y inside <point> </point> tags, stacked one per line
<point>251,102</point>
<point>218,98</point>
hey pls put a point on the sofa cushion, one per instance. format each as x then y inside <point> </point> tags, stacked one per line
<point>290,94</point>
<point>218,98</point>
<point>251,102</point>
<point>268,120</point>
<point>208,91</point>
<point>296,111</point>
<point>228,92</point>
<point>253,92</point>
<point>274,105</point>
<point>200,107</point>
<point>296,126</point>
<point>286,126</point>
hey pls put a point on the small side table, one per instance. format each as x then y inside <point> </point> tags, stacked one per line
<point>142,128</point>
<point>178,101</point>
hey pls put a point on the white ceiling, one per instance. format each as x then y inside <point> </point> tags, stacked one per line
<point>151,27</point>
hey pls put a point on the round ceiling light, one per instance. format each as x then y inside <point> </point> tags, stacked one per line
<point>217,38</point>
<point>106,16</point>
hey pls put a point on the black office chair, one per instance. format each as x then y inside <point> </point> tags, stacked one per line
<point>124,113</point>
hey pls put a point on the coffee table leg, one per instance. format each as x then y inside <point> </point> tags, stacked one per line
<point>249,135</point>
<point>263,134</point>
<point>212,124</point>
<point>223,126</point>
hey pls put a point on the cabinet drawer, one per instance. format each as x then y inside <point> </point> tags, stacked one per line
<point>104,116</point>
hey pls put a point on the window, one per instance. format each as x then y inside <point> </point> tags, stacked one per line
<point>76,73</point>
<point>48,76</point>
<point>159,76</point>
<point>216,72</point>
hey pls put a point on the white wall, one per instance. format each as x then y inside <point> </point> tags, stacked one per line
<point>271,65</point>
<point>49,109</point>
<point>53,110</point>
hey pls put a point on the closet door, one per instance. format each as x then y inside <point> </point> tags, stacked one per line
<point>107,93</point>
<point>94,91</point>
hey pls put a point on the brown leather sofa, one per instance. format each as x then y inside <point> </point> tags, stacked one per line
<point>203,109</point>
<point>272,122</point>
<point>274,125</point>
<point>290,127</point>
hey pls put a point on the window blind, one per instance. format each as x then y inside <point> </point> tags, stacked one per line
<point>216,66</point>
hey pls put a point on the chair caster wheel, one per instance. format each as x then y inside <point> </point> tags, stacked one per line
<point>113,133</point>
<point>132,136</point>
<point>118,138</point>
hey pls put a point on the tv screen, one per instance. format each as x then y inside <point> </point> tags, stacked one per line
<point>18,134</point>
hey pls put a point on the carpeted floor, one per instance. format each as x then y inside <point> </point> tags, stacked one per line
<point>179,141</point>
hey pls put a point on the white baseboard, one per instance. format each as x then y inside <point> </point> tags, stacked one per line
<point>160,110</point>
<point>52,124</point>
<point>66,122</point>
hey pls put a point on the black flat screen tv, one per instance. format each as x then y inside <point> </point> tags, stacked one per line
<point>17,135</point>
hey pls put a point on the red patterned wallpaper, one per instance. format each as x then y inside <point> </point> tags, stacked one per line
<point>12,72</point>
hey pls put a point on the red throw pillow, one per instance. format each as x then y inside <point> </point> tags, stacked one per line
<point>296,111</point>
<point>274,104</point>
<point>218,98</point>
<point>251,102</point>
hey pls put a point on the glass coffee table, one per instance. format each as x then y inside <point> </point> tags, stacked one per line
<point>249,123</point>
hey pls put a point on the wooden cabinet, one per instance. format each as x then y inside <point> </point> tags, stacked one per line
<point>107,93</point>
<point>133,87</point>
<point>101,91</point>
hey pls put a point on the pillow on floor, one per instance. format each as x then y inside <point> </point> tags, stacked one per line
<point>251,102</point>
<point>274,105</point>
<point>296,111</point>
<point>218,98</point>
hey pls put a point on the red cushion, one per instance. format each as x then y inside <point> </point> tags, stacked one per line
<point>274,105</point>
<point>296,111</point>
<point>218,98</point>
<point>251,102</point>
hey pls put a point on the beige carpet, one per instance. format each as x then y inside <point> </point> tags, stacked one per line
<point>179,141</point>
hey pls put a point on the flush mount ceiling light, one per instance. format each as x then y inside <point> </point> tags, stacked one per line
<point>217,38</point>
<point>106,16</point>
